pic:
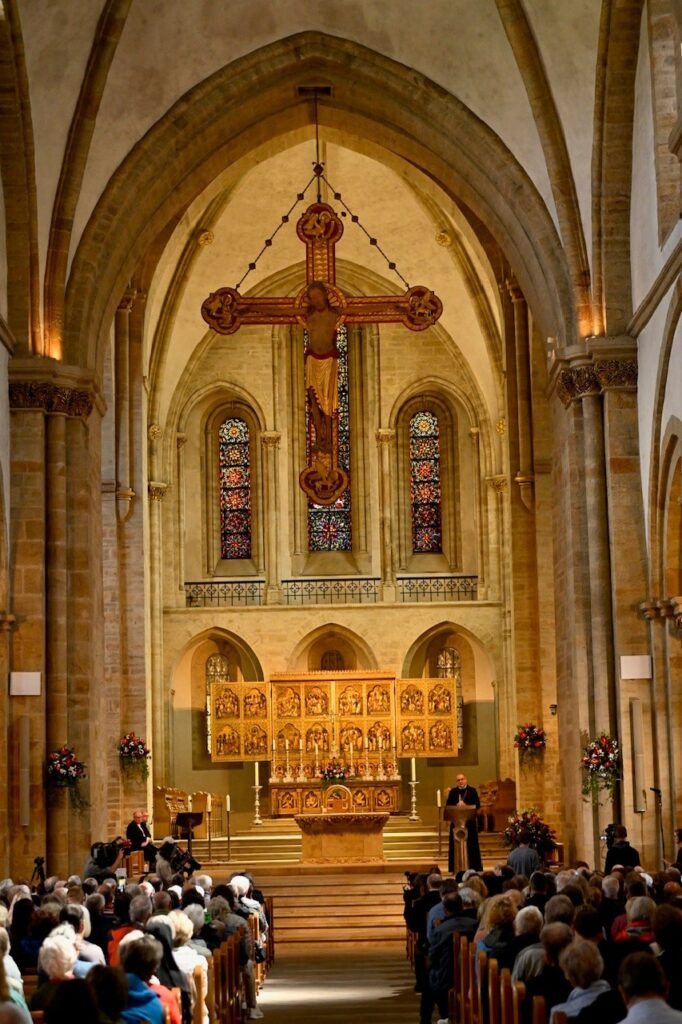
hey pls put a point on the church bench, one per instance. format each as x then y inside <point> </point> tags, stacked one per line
<point>198,977</point>
<point>270,914</point>
<point>493,992</point>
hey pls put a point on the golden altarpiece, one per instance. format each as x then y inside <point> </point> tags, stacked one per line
<point>308,724</point>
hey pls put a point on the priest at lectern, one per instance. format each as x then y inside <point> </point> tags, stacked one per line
<point>463,793</point>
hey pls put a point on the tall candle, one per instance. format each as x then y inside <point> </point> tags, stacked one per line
<point>414,769</point>
<point>228,805</point>
<point>286,744</point>
<point>300,744</point>
<point>208,803</point>
<point>256,772</point>
<point>437,798</point>
<point>189,801</point>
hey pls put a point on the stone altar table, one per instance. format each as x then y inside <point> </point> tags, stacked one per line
<point>342,837</point>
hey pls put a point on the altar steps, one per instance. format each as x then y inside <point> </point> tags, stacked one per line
<point>320,911</point>
<point>407,845</point>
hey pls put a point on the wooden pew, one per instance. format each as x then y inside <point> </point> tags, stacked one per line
<point>219,987</point>
<point>270,914</point>
<point>210,993</point>
<point>540,1011</point>
<point>198,976</point>
<point>518,995</point>
<point>506,997</point>
<point>493,992</point>
<point>481,986</point>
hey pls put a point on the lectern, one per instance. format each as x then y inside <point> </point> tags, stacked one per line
<point>187,821</point>
<point>460,815</point>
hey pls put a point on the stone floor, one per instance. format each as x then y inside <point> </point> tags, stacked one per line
<point>340,985</point>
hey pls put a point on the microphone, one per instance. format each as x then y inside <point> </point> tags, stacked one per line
<point>654,790</point>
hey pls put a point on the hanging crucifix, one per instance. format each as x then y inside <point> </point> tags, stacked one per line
<point>321,308</point>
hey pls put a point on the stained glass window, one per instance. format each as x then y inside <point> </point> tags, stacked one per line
<point>332,661</point>
<point>235,489</point>
<point>425,490</point>
<point>329,527</point>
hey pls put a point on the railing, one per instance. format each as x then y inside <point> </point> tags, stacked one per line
<point>231,593</point>
<point>437,588</point>
<point>331,591</point>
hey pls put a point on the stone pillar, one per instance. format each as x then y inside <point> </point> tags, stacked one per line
<point>524,410</point>
<point>270,440</point>
<point>480,524</point>
<point>56,630</point>
<point>386,442</point>
<point>124,490</point>
<point>504,688</point>
<point>160,763</point>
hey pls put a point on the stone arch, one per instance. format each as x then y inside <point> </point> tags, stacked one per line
<point>414,661</point>
<point>229,117</point>
<point>670,509</point>
<point>664,49</point>
<point>332,636</point>
<point>249,662</point>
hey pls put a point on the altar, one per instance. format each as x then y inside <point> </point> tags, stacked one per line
<point>306,796</point>
<point>342,837</point>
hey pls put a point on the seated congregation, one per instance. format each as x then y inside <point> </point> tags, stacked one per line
<point>184,951</point>
<point>496,947</point>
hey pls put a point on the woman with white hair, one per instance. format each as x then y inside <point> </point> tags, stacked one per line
<point>56,958</point>
<point>187,958</point>
<point>12,997</point>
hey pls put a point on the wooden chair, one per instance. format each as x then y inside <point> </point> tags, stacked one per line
<point>198,978</point>
<point>210,992</point>
<point>506,1000</point>
<point>270,914</point>
<point>518,995</point>
<point>134,864</point>
<point>540,1011</point>
<point>493,992</point>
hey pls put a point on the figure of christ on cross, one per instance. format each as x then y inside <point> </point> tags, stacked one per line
<point>321,307</point>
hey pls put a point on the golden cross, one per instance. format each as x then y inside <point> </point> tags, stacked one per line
<point>225,311</point>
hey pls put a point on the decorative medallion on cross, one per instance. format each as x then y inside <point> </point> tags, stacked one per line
<point>321,308</point>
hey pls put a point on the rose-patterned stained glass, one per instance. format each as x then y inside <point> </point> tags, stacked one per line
<point>329,527</point>
<point>425,489</point>
<point>235,489</point>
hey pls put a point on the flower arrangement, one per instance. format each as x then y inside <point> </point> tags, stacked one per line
<point>543,838</point>
<point>65,771</point>
<point>134,755</point>
<point>530,739</point>
<point>601,766</point>
<point>334,771</point>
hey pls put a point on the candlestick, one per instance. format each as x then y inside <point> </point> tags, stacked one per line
<point>257,820</point>
<point>438,803</point>
<point>189,802</point>
<point>414,769</point>
<point>208,803</point>
<point>300,759</point>
<point>413,801</point>
<point>256,772</point>
<point>273,746</point>
<point>286,744</point>
<point>228,806</point>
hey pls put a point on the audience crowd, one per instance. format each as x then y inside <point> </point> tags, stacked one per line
<point>109,951</point>
<point>601,948</point>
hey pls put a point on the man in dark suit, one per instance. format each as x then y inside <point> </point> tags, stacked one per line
<point>463,793</point>
<point>140,837</point>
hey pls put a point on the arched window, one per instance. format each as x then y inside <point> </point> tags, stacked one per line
<point>449,667</point>
<point>329,527</point>
<point>235,489</point>
<point>332,661</point>
<point>425,483</point>
<point>217,671</point>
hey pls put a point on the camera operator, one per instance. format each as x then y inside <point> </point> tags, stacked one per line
<point>172,860</point>
<point>105,859</point>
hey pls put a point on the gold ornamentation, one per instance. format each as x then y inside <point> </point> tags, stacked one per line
<point>350,701</point>
<point>443,238</point>
<point>288,703</point>
<point>412,738</point>
<point>226,703</point>
<point>412,701</point>
<point>154,432</point>
<point>157,490</point>
<point>240,715</point>
<point>378,700</point>
<point>50,397</point>
<point>181,441</point>
<point>617,374</point>
<point>440,700</point>
<point>501,426</point>
<point>440,737</point>
<point>498,483</point>
<point>256,741</point>
<point>316,702</point>
<point>255,704</point>
<point>205,238</point>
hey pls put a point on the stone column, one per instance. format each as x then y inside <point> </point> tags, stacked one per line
<point>479,517</point>
<point>524,410</point>
<point>270,440</point>
<point>386,441</point>
<point>124,490</point>
<point>160,762</point>
<point>56,630</point>
<point>504,689</point>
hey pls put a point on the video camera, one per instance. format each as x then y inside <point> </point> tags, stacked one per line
<point>608,835</point>
<point>104,854</point>
<point>181,862</point>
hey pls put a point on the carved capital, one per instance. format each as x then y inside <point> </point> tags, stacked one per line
<point>676,608</point>
<point>501,426</point>
<point>7,622</point>
<point>271,439</point>
<point>616,374</point>
<point>385,436</point>
<point>181,440</point>
<point>475,435</point>
<point>154,432</point>
<point>127,300</point>
<point>577,382</point>
<point>515,293</point>
<point>49,398</point>
<point>498,483</point>
<point>157,490</point>
<point>649,609</point>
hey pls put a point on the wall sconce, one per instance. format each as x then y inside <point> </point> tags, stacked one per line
<point>552,709</point>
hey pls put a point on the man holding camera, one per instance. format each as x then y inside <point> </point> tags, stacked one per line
<point>140,837</point>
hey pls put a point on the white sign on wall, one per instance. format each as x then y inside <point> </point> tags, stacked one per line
<point>24,684</point>
<point>635,666</point>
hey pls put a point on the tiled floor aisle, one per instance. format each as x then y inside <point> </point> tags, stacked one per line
<point>340,987</point>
